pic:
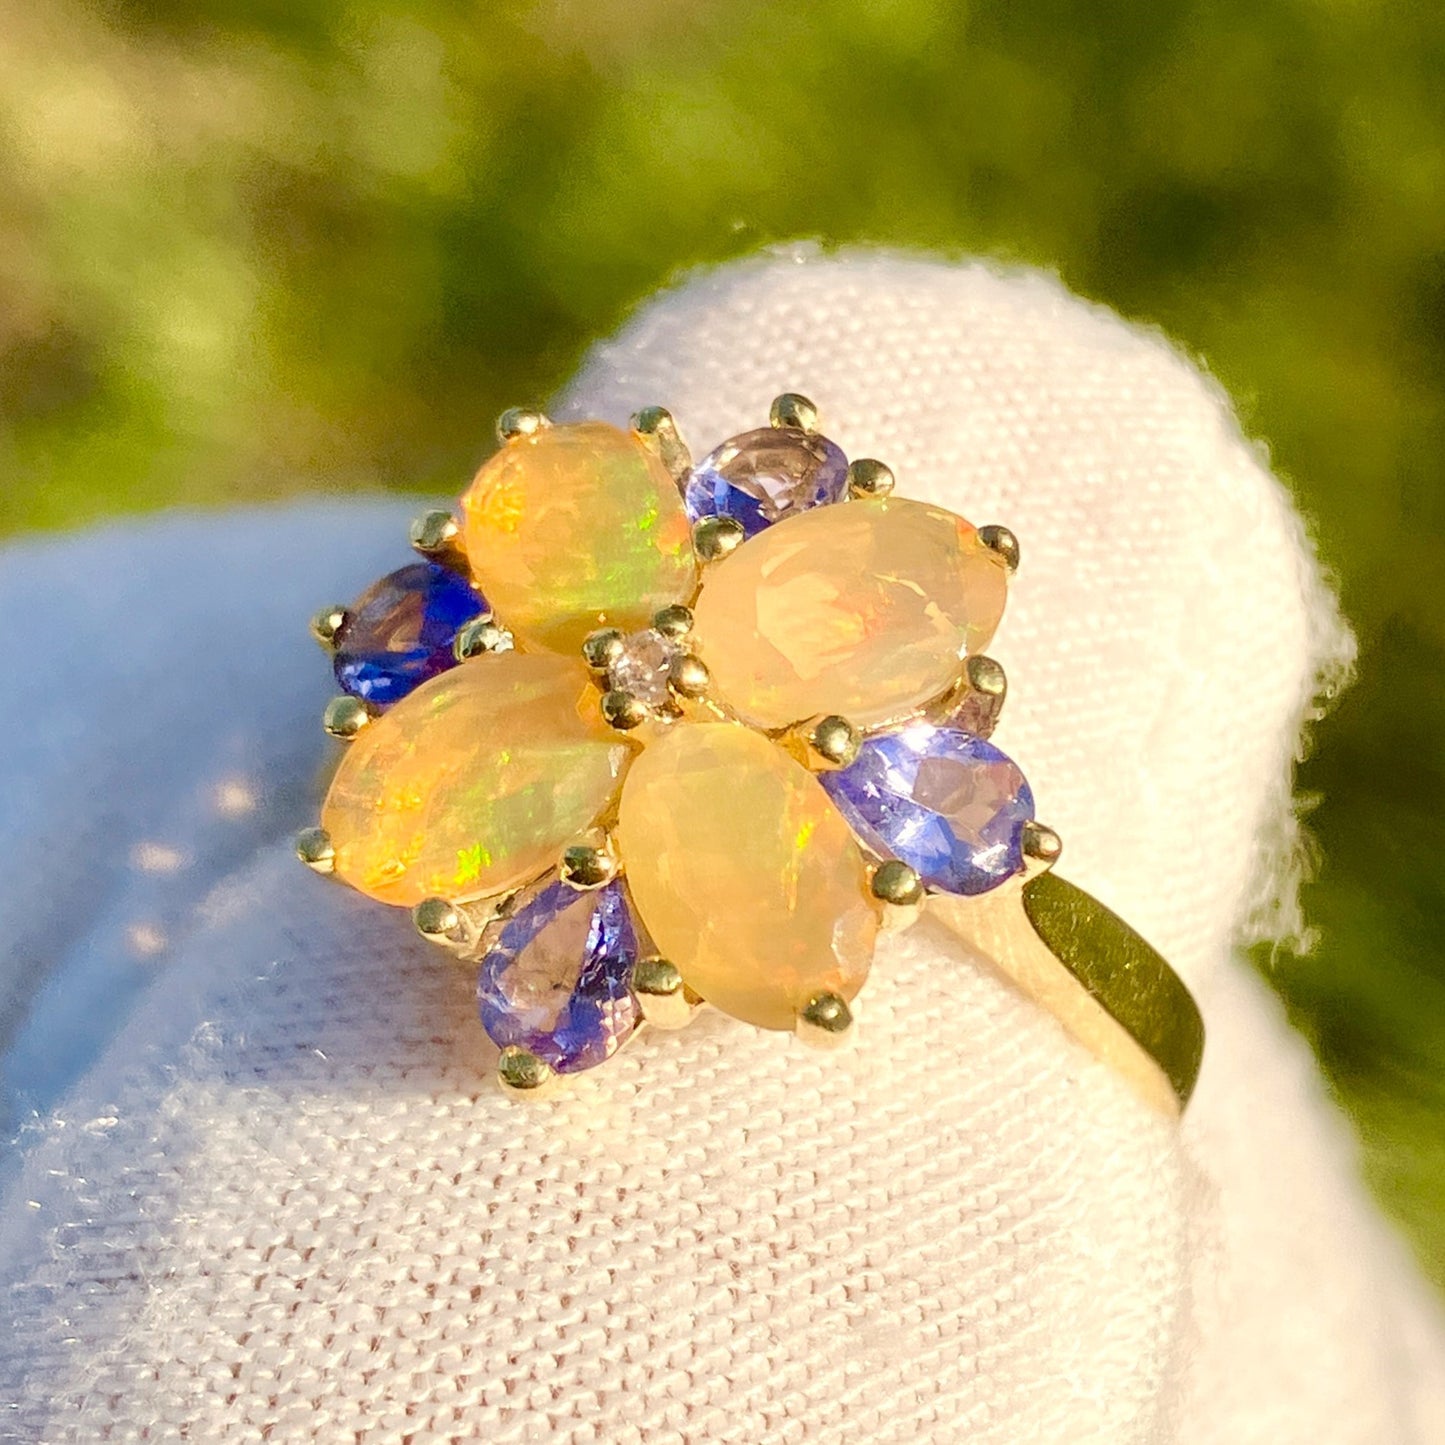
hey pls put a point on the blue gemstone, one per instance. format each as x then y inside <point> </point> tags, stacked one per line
<point>947,803</point>
<point>400,631</point>
<point>763,476</point>
<point>557,979</point>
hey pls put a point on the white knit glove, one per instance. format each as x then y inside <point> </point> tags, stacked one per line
<point>287,1204</point>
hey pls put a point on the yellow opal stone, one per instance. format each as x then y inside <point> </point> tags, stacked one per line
<point>474,783</point>
<point>577,527</point>
<point>745,874</point>
<point>862,608</point>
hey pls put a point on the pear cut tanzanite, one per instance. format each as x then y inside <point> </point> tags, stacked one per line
<point>950,805</point>
<point>400,631</point>
<point>557,979</point>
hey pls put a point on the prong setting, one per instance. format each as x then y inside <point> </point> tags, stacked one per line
<point>480,635</point>
<point>792,409</point>
<point>831,742</point>
<point>825,1021</point>
<point>587,866</point>
<point>665,1000</point>
<point>1042,848</point>
<point>315,849</point>
<point>1003,543</point>
<point>714,537</point>
<point>687,676</point>
<point>622,710</point>
<point>435,534</point>
<point>655,428</point>
<point>601,649</point>
<point>518,422</point>
<point>326,626</point>
<point>523,1075</point>
<point>868,477</point>
<point>674,621</point>
<point>444,924</point>
<point>345,717</point>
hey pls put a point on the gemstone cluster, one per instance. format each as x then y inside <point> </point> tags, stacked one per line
<point>638,735</point>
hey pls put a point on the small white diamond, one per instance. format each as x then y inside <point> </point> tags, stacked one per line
<point>641,667</point>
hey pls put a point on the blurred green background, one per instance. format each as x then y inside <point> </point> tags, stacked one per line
<point>251,248</point>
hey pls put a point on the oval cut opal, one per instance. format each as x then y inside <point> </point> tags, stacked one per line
<point>475,783</point>
<point>863,609</point>
<point>557,978</point>
<point>762,476</point>
<point>948,804</point>
<point>574,528</point>
<point>400,631</point>
<point>744,872</point>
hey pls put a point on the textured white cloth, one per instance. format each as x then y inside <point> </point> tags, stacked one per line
<point>287,1204</point>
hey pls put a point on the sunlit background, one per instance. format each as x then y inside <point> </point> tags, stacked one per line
<point>251,249</point>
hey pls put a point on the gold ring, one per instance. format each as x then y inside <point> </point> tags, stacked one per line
<point>637,734</point>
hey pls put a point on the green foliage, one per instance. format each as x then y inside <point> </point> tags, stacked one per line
<point>250,248</point>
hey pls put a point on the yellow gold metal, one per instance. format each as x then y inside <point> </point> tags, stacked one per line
<point>825,1021</point>
<point>1003,542</point>
<point>897,884</point>
<point>480,635</point>
<point>831,742</point>
<point>435,534</point>
<point>687,676</point>
<point>519,421</point>
<point>794,410</point>
<point>655,428</point>
<point>622,710</point>
<point>1088,968</point>
<point>666,1002</point>
<point>869,478</point>
<point>326,624</point>
<point>314,849</point>
<point>714,537</point>
<point>586,866</point>
<point>1042,848</point>
<point>344,717</point>
<point>446,924</point>
<point>674,621</point>
<point>601,649</point>
<point>523,1075</point>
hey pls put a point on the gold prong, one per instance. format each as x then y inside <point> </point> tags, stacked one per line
<point>586,866</point>
<point>434,534</point>
<point>714,537</point>
<point>443,923</point>
<point>674,621</point>
<point>655,428</point>
<point>314,848</point>
<point>687,676</point>
<point>326,624</point>
<point>481,634</point>
<point>520,421</point>
<point>345,716</point>
<point>832,742</point>
<point>622,710</point>
<point>977,707</point>
<point>794,410</point>
<point>1001,541</point>
<point>896,883</point>
<point>666,1001</point>
<point>601,649</point>
<point>1041,848</point>
<point>869,478</point>
<point>825,1021</point>
<point>523,1075</point>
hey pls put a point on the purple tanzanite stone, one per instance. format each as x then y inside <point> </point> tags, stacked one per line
<point>948,804</point>
<point>557,979</point>
<point>400,631</point>
<point>762,476</point>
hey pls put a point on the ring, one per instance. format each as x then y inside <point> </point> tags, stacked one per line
<point>637,734</point>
